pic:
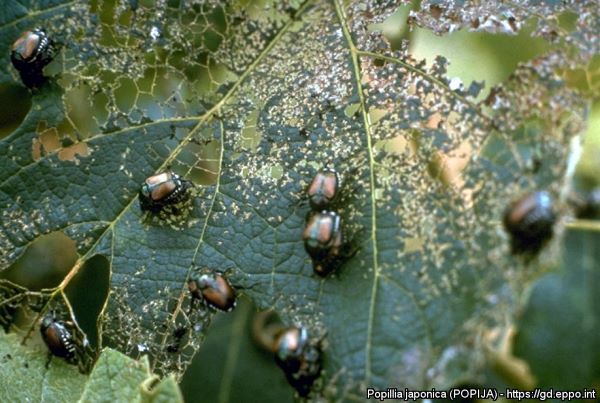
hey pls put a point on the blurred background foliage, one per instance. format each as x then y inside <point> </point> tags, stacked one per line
<point>230,366</point>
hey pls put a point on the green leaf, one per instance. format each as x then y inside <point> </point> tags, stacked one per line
<point>25,377</point>
<point>117,377</point>
<point>247,101</point>
<point>559,330</point>
<point>238,369</point>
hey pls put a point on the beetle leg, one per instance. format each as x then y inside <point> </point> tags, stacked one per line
<point>48,360</point>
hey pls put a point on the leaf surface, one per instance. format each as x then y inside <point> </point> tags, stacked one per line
<point>25,377</point>
<point>247,103</point>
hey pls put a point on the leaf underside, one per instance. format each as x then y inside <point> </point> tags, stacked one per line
<point>247,104</point>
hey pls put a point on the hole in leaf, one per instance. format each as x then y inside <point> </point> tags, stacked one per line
<point>394,27</point>
<point>15,106</point>
<point>87,292</point>
<point>586,79</point>
<point>399,145</point>
<point>379,62</point>
<point>80,111</point>
<point>49,141</point>
<point>250,136</point>
<point>352,110</point>
<point>277,172</point>
<point>71,153</point>
<point>436,11</point>
<point>45,262</point>
<point>479,56</point>
<point>199,162</point>
<point>447,167</point>
<point>125,94</point>
<point>568,21</point>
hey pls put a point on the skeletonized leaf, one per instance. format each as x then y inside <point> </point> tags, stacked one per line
<point>247,103</point>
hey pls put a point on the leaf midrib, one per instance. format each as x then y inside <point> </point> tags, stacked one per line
<point>377,273</point>
<point>367,127</point>
<point>36,13</point>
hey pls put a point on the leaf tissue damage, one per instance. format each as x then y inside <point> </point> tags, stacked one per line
<point>576,24</point>
<point>247,101</point>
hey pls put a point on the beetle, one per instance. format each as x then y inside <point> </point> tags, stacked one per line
<point>30,53</point>
<point>323,189</point>
<point>324,241</point>
<point>322,233</point>
<point>214,289</point>
<point>530,222</point>
<point>58,338</point>
<point>161,190</point>
<point>299,357</point>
